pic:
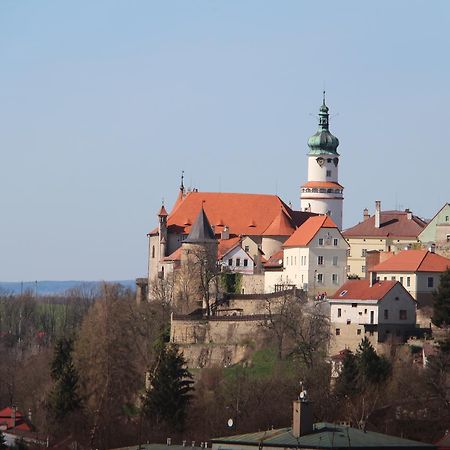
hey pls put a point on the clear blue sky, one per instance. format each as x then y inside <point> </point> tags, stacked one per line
<point>103,103</point>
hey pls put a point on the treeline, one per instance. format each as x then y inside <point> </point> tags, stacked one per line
<point>97,368</point>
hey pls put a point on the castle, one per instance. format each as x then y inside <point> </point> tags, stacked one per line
<point>247,231</point>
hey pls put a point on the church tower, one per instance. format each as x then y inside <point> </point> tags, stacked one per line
<point>322,193</point>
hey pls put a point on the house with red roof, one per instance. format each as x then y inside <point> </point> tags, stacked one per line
<point>380,311</point>
<point>314,258</point>
<point>385,231</point>
<point>418,271</point>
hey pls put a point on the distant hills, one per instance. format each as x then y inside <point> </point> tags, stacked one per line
<point>53,287</point>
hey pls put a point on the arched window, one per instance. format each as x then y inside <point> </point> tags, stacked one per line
<point>153,251</point>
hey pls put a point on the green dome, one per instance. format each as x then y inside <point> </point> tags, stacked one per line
<point>323,141</point>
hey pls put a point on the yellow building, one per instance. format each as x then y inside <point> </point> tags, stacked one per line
<point>385,231</point>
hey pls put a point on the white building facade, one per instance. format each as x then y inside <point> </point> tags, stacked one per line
<point>322,193</point>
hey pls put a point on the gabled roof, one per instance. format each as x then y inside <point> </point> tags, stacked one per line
<point>306,232</point>
<point>244,214</point>
<point>201,231</point>
<point>275,261</point>
<point>281,225</point>
<point>392,224</point>
<point>361,290</point>
<point>6,416</point>
<point>225,245</point>
<point>324,436</point>
<point>413,261</point>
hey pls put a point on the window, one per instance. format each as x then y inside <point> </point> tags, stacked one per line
<point>446,218</point>
<point>365,311</point>
<point>386,314</point>
<point>245,262</point>
<point>338,331</point>
<point>408,281</point>
<point>358,331</point>
<point>328,173</point>
<point>354,305</point>
<point>335,260</point>
<point>364,252</point>
<point>348,253</point>
<point>339,312</point>
<point>334,278</point>
<point>401,280</point>
<point>393,278</point>
<point>430,281</point>
<point>153,251</point>
<point>320,277</point>
<point>402,314</point>
<point>335,242</point>
<point>385,278</point>
<point>238,262</point>
<point>230,262</point>
<point>320,241</point>
<point>320,260</point>
<point>246,248</point>
<point>347,269</point>
<point>363,269</point>
<point>349,321</point>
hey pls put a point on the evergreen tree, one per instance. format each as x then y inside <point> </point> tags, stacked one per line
<point>64,397</point>
<point>441,303</point>
<point>372,368</point>
<point>347,382</point>
<point>169,394</point>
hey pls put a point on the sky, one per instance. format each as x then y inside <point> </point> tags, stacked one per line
<point>103,103</point>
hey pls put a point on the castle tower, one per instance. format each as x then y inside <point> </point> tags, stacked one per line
<point>322,193</point>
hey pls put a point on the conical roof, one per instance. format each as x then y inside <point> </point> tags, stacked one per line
<point>201,231</point>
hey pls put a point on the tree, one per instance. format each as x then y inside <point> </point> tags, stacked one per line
<point>348,378</point>
<point>441,303</point>
<point>64,398</point>
<point>372,368</point>
<point>298,327</point>
<point>168,395</point>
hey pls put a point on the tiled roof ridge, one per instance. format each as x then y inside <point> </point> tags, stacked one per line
<point>425,254</point>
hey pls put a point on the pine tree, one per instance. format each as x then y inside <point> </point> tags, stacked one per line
<point>441,304</point>
<point>372,368</point>
<point>347,382</point>
<point>169,395</point>
<point>64,397</point>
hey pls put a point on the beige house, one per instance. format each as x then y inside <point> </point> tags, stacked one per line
<point>315,256</point>
<point>379,311</point>
<point>419,272</point>
<point>385,231</point>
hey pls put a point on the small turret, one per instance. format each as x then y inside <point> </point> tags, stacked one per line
<point>162,216</point>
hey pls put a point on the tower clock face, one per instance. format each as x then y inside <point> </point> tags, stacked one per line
<point>320,161</point>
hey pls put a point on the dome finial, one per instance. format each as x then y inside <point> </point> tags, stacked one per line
<point>324,98</point>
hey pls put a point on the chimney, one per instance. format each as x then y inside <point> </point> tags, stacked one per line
<point>225,233</point>
<point>432,248</point>
<point>365,214</point>
<point>302,417</point>
<point>408,214</point>
<point>377,213</point>
<point>373,278</point>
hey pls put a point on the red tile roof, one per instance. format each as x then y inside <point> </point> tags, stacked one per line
<point>306,232</point>
<point>280,226</point>
<point>392,224</point>
<point>244,214</point>
<point>413,261</point>
<point>162,211</point>
<point>225,245</point>
<point>322,184</point>
<point>361,290</point>
<point>6,415</point>
<point>175,256</point>
<point>275,261</point>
